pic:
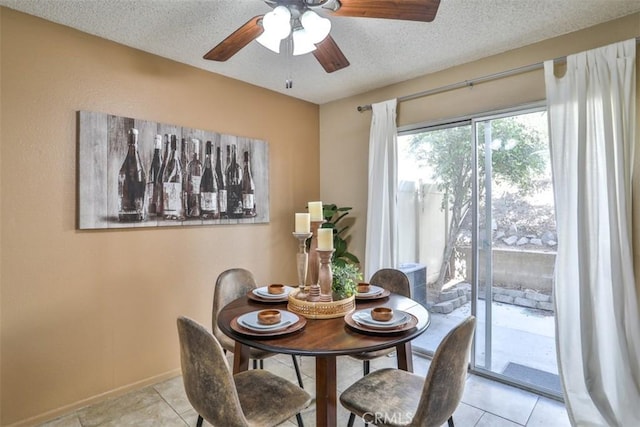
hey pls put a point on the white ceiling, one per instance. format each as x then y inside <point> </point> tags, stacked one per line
<point>381,52</point>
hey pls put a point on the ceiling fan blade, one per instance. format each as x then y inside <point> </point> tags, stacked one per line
<point>236,40</point>
<point>330,56</point>
<point>408,10</point>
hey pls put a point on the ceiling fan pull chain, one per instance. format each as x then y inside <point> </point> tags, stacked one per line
<point>288,84</point>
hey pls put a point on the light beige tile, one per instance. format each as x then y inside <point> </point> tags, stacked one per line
<point>70,420</point>
<point>113,408</point>
<point>191,417</point>
<point>156,414</point>
<point>466,416</point>
<point>490,420</point>
<point>505,401</point>
<point>549,413</point>
<point>172,391</point>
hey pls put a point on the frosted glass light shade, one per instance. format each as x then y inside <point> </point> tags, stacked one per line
<point>277,26</point>
<point>316,26</point>
<point>271,43</point>
<point>302,42</point>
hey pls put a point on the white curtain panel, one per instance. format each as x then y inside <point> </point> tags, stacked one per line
<point>592,124</point>
<point>381,250</point>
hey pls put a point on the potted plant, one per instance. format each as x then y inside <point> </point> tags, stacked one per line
<point>333,215</point>
<point>345,280</point>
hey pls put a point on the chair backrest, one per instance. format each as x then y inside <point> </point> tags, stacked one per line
<point>207,379</point>
<point>445,381</point>
<point>230,285</point>
<point>393,280</point>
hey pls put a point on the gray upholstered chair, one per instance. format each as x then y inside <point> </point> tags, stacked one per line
<point>392,397</point>
<point>397,282</point>
<point>250,398</point>
<point>230,285</point>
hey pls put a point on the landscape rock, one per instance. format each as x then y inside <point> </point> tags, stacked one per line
<point>536,242</point>
<point>511,240</point>
<point>522,241</point>
<point>547,236</point>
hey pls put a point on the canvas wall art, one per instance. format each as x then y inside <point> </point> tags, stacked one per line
<point>139,173</point>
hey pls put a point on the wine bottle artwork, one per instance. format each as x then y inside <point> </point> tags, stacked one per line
<point>135,173</point>
<point>159,184</point>
<point>194,178</point>
<point>234,187</point>
<point>248,189</point>
<point>131,183</point>
<point>208,188</point>
<point>154,172</point>
<point>222,191</point>
<point>185,173</point>
<point>172,186</point>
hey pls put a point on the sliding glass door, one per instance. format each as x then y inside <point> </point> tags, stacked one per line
<point>476,210</point>
<point>514,250</point>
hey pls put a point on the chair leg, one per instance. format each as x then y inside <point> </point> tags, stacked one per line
<point>450,421</point>
<point>297,368</point>
<point>366,368</point>
<point>352,418</point>
<point>255,364</point>
<point>299,419</point>
<point>261,363</point>
<point>199,422</point>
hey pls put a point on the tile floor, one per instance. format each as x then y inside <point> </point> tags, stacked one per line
<point>485,403</point>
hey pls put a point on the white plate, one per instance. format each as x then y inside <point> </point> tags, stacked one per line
<point>373,290</point>
<point>364,317</point>
<point>250,321</point>
<point>263,292</point>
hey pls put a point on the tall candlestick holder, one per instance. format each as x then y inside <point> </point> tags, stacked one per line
<point>314,260</point>
<point>325,275</point>
<point>302,263</point>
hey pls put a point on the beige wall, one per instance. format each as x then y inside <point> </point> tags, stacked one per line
<point>344,130</point>
<point>92,312</point>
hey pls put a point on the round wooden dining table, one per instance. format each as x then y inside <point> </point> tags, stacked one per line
<point>325,339</point>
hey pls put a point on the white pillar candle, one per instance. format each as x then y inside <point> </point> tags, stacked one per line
<point>315,210</point>
<point>325,239</point>
<point>303,223</point>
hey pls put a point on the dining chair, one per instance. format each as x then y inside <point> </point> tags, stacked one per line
<point>397,282</point>
<point>230,285</point>
<point>249,398</point>
<point>393,397</point>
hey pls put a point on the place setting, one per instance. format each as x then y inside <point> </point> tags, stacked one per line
<point>381,320</point>
<point>275,293</point>
<point>366,291</point>
<point>268,323</point>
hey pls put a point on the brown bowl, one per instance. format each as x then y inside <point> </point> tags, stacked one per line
<point>275,289</point>
<point>363,287</point>
<point>382,314</point>
<point>269,317</point>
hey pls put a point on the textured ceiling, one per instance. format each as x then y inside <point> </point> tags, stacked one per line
<point>381,52</point>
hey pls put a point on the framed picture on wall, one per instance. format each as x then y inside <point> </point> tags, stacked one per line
<point>139,173</point>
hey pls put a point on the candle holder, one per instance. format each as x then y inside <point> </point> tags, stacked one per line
<point>302,262</point>
<point>314,260</point>
<point>325,275</point>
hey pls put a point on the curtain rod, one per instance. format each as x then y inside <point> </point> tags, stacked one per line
<point>471,82</point>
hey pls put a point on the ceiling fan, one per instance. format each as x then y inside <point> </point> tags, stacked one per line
<point>310,32</point>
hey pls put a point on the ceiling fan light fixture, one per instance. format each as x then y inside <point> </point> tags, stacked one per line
<point>316,26</point>
<point>302,43</point>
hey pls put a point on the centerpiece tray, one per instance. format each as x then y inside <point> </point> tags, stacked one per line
<point>320,309</point>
